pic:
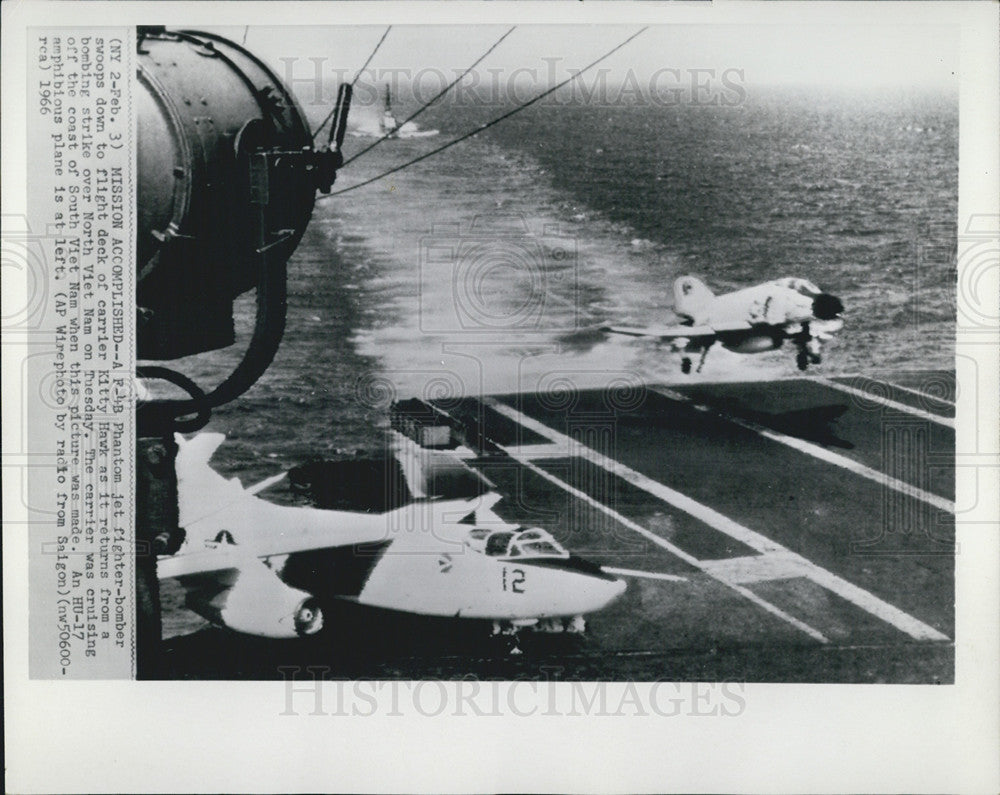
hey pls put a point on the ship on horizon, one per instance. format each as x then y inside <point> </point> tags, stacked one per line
<point>387,124</point>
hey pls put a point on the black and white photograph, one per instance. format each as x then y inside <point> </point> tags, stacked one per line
<point>597,363</point>
<point>524,372</point>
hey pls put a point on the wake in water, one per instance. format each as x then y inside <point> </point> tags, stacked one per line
<point>408,130</point>
<point>372,127</point>
<point>487,281</point>
<point>496,262</point>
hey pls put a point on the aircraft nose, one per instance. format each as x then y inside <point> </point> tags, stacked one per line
<point>610,588</point>
<point>605,592</point>
<point>595,589</point>
<point>827,307</point>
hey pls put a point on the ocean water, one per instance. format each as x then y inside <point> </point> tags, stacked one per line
<point>488,267</point>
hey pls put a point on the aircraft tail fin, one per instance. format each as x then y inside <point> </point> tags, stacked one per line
<point>691,296</point>
<point>202,491</point>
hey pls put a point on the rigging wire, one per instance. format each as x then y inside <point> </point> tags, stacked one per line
<point>365,65</point>
<point>486,125</point>
<point>435,98</point>
<point>355,80</point>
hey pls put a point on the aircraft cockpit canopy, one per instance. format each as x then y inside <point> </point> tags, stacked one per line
<point>530,542</point>
<point>803,286</point>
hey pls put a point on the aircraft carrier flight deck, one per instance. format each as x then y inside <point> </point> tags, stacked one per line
<point>799,530</point>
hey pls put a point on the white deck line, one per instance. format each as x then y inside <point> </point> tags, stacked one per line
<point>859,597</point>
<point>912,391</point>
<point>818,452</point>
<point>757,568</point>
<point>947,422</point>
<point>675,550</point>
<point>535,450</point>
<point>650,575</point>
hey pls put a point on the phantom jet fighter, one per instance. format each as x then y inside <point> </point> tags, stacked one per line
<point>752,320</point>
<point>268,570</point>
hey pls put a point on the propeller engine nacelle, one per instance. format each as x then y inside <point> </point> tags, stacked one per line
<point>258,603</point>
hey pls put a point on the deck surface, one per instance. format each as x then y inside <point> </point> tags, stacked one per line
<point>811,519</point>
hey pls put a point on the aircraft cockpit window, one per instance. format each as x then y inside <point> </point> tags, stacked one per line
<point>536,543</point>
<point>809,288</point>
<point>803,286</point>
<point>496,545</point>
<point>531,543</point>
<point>540,549</point>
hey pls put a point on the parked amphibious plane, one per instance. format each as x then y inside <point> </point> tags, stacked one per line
<point>266,569</point>
<point>751,320</point>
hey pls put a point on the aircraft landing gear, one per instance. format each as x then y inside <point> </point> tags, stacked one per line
<point>701,361</point>
<point>572,625</point>
<point>813,348</point>
<point>808,353</point>
<point>508,635</point>
<point>686,363</point>
<point>576,625</point>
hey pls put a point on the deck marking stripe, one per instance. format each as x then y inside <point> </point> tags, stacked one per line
<point>652,575</point>
<point>818,452</point>
<point>912,391</point>
<point>758,568</point>
<point>547,450</point>
<point>852,593</point>
<point>948,422</point>
<point>662,542</point>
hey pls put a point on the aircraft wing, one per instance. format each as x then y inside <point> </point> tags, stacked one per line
<point>735,325</point>
<point>217,513</point>
<point>223,560</point>
<point>665,332</point>
<point>224,522</point>
<point>261,529</point>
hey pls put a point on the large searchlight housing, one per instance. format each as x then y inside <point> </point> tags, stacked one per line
<point>227,178</point>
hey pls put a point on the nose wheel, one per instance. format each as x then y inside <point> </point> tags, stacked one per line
<point>686,365</point>
<point>808,353</point>
<point>509,635</point>
<point>809,348</point>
